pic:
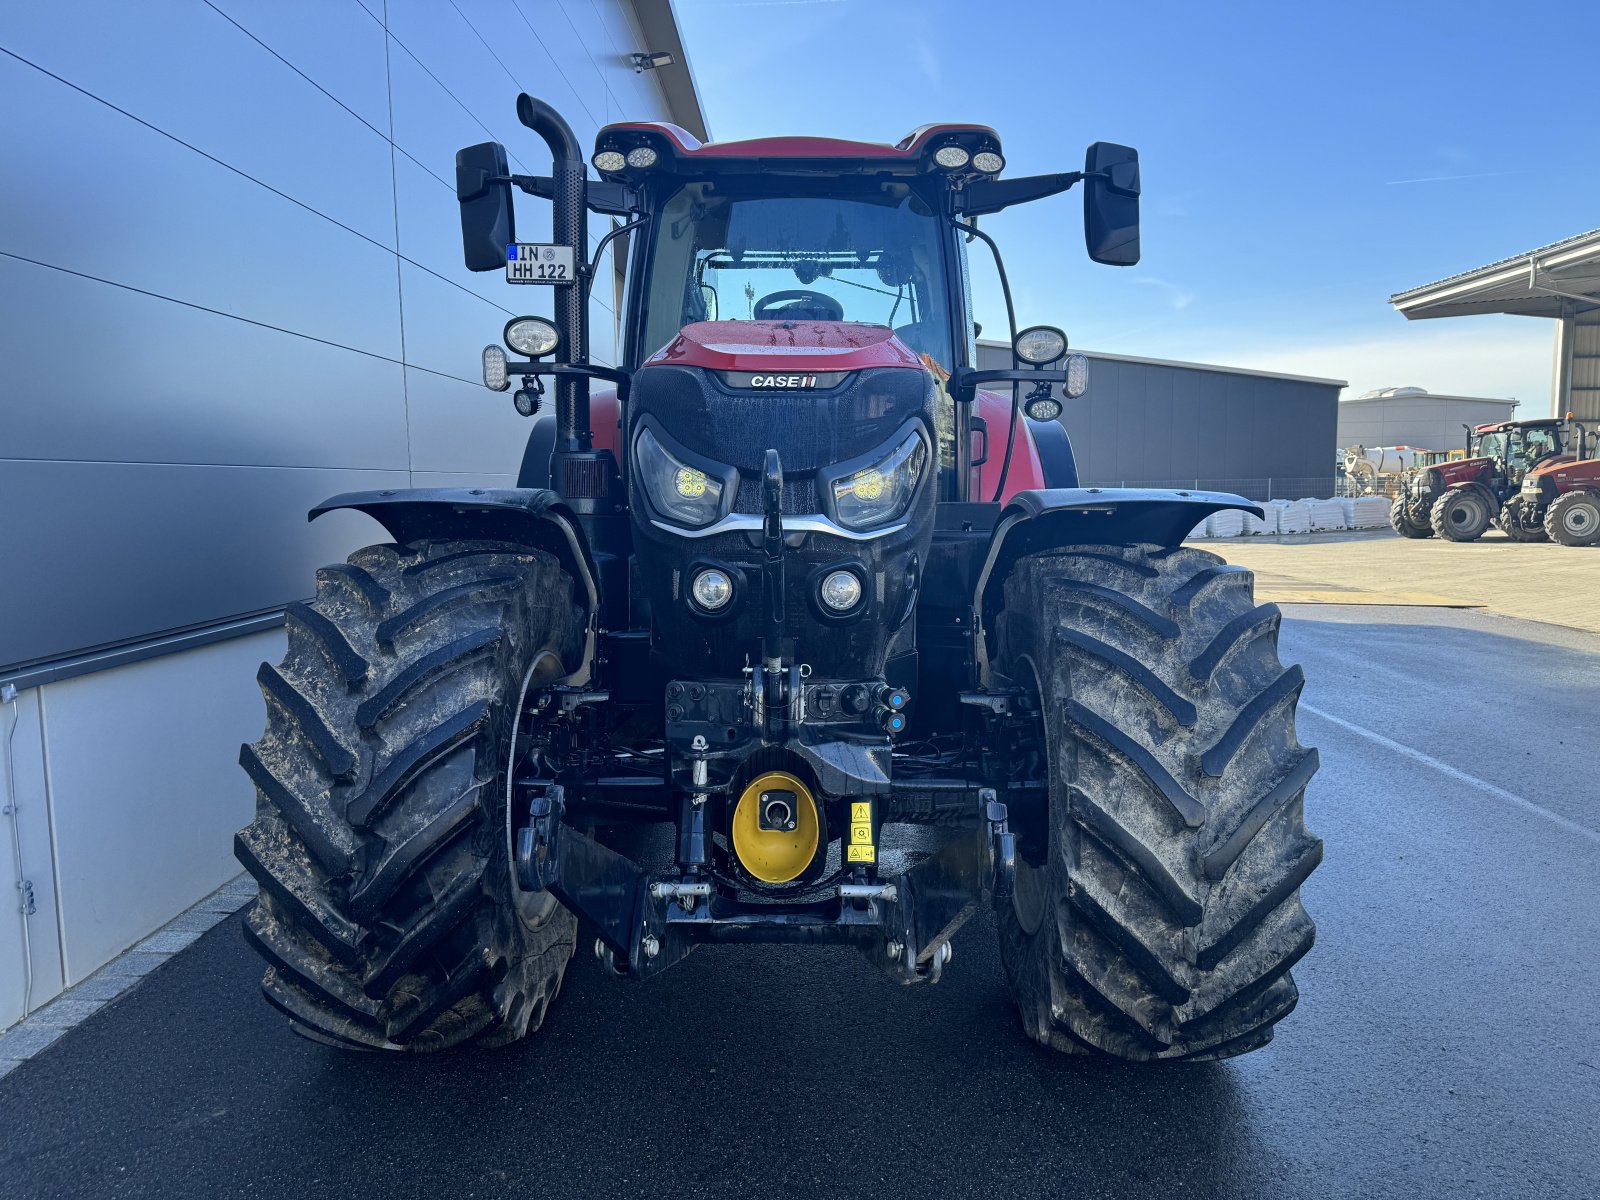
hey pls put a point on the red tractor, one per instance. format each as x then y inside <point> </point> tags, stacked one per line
<point>1460,500</point>
<point>793,584</point>
<point>1560,499</point>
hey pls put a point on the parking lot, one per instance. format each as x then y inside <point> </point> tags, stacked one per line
<point>1445,1043</point>
<point>1538,581</point>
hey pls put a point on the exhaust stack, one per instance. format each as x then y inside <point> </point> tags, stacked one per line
<point>570,226</point>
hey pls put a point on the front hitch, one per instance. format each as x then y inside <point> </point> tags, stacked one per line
<point>646,923</point>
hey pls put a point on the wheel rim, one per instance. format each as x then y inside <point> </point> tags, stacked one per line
<point>1465,513</point>
<point>1579,520</point>
<point>1031,886</point>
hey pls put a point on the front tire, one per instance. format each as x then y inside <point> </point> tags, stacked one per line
<point>1400,521</point>
<point>1159,914</point>
<point>388,914</point>
<point>1514,523</point>
<point>1462,516</point>
<point>1574,519</point>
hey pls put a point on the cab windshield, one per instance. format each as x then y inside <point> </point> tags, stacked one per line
<point>1536,443</point>
<point>873,257</point>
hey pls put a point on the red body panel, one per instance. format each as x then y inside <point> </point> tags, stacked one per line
<point>688,146</point>
<point>1026,471</point>
<point>605,418</point>
<point>785,346</point>
<point>1567,472</point>
<point>1465,470</point>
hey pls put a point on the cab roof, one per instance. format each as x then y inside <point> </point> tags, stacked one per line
<point>1500,426</point>
<point>679,149</point>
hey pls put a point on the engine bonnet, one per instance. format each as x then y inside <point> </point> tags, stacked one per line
<point>785,346</point>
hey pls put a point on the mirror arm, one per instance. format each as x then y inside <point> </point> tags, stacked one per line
<point>623,379</point>
<point>612,199</point>
<point>991,195</point>
<point>594,263</point>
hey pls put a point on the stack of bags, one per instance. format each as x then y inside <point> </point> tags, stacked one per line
<point>1294,516</point>
<point>1266,524</point>
<point>1326,514</point>
<point>1367,512</point>
<point>1227,523</point>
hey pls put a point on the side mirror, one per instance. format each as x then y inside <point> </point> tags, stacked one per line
<point>1111,204</point>
<point>483,188</point>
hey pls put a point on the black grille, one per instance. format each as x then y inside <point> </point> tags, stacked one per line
<point>809,429</point>
<point>799,495</point>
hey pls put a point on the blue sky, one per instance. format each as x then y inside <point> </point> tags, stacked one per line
<point>1301,162</point>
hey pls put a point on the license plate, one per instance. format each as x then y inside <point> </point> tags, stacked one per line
<point>540,262</point>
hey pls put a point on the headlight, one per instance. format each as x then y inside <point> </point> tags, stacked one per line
<point>951,157</point>
<point>711,589</point>
<point>883,491</point>
<point>840,591</point>
<point>678,491</point>
<point>1040,345</point>
<point>533,336</point>
<point>1426,482</point>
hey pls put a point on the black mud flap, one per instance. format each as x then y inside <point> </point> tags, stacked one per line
<point>532,516</point>
<point>1049,518</point>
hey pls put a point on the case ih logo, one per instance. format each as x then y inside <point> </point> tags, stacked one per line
<point>783,381</point>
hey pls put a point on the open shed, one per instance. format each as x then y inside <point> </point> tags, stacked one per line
<point>1560,281</point>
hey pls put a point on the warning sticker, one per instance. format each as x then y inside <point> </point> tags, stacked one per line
<point>864,854</point>
<point>861,810</point>
<point>861,835</point>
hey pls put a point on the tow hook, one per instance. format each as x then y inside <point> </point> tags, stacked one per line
<point>1002,845</point>
<point>537,861</point>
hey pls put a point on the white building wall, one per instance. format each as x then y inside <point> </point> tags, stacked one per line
<point>231,266</point>
<point>1426,422</point>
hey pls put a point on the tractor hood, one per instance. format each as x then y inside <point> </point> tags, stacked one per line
<point>1463,470</point>
<point>1567,468</point>
<point>802,348</point>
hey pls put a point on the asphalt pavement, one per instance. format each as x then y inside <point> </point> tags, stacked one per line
<point>1446,1042</point>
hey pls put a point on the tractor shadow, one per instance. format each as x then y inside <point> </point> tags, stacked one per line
<point>794,1071</point>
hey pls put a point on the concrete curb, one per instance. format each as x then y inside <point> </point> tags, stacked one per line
<point>119,976</point>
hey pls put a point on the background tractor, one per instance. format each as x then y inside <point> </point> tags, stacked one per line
<point>1461,499</point>
<point>1560,499</point>
<point>794,583</point>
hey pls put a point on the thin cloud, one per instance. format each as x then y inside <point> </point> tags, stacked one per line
<point>1445,178</point>
<point>927,60</point>
<point>1177,295</point>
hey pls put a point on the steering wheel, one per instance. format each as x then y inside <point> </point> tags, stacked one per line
<point>798,304</point>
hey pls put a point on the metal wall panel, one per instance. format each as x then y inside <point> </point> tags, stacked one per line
<point>109,552</point>
<point>181,385</point>
<point>1583,398</point>
<point>133,848</point>
<point>26,937</point>
<point>1173,424</point>
<point>237,157</point>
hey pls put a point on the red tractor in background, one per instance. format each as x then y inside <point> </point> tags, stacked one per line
<point>1560,499</point>
<point>1460,500</point>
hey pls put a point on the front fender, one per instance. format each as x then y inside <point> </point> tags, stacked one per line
<point>528,516</point>
<point>1055,517</point>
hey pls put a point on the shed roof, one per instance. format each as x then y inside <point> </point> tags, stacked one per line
<point>1422,397</point>
<point>1549,281</point>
